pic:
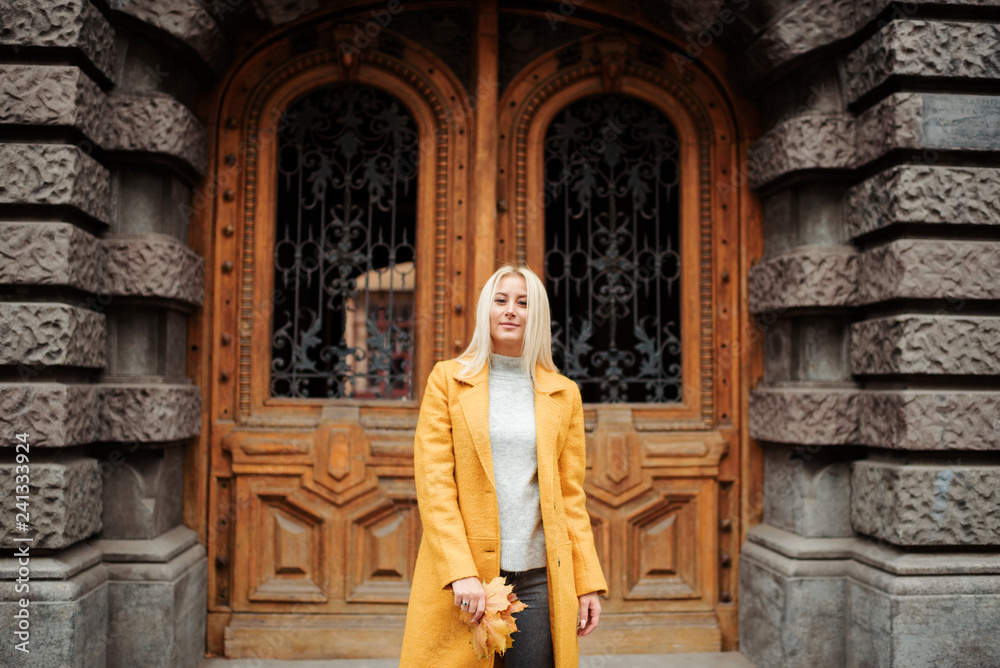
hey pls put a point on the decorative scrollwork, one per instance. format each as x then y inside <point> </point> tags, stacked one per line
<point>344,257</point>
<point>612,262</point>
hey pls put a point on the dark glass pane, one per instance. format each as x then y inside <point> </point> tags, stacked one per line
<point>344,247</point>
<point>612,237</point>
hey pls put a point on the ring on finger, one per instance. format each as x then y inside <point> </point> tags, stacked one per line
<point>465,604</point>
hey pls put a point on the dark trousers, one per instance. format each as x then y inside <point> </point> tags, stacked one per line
<point>532,642</point>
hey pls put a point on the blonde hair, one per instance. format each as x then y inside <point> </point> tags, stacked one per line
<point>536,347</point>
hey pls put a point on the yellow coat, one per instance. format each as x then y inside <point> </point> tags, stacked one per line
<point>453,468</point>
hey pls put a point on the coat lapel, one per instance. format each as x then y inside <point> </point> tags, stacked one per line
<point>475,402</point>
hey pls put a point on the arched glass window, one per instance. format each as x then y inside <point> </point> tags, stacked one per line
<point>612,260</point>
<point>344,262</point>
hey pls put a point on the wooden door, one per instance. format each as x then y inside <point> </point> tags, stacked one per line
<point>364,186</point>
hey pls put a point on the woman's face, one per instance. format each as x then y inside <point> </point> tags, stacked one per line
<point>509,315</point>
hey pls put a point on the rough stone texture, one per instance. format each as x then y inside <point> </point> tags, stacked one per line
<point>893,123</point>
<point>806,27</point>
<point>52,95</point>
<point>147,413</point>
<point>926,344</point>
<point>792,613</point>
<point>64,502</point>
<point>54,175</point>
<point>284,11</point>
<point>804,276</point>
<point>809,141</point>
<point>926,505</point>
<point>74,24</point>
<point>927,49</point>
<point>807,491</point>
<point>55,415</point>
<point>809,416</point>
<point>833,276</point>
<point>48,334</point>
<point>929,420</point>
<point>167,602</point>
<point>153,265</point>
<point>47,95</point>
<point>142,492</point>
<point>924,269</point>
<point>928,195</point>
<point>186,20</point>
<point>157,123</point>
<point>50,254</point>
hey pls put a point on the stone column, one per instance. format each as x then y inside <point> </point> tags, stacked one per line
<point>878,412</point>
<point>97,284</point>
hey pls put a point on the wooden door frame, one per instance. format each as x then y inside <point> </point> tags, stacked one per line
<point>737,342</point>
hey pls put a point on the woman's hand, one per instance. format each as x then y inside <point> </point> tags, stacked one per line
<point>470,590</point>
<point>590,612</point>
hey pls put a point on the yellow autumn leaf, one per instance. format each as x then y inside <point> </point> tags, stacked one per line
<point>493,630</point>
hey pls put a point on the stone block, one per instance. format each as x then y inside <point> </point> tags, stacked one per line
<point>925,344</point>
<point>187,21</point>
<point>151,201</point>
<point>279,12</point>
<point>808,416</point>
<point>142,492</point>
<point>923,504</point>
<point>807,491</point>
<point>54,414</point>
<point>894,123</point>
<point>921,621</point>
<point>157,612</point>
<point>70,24</point>
<point>153,265</point>
<point>53,95</point>
<point>146,344</point>
<point>925,195</point>
<point>68,620</point>
<point>791,612</point>
<point>157,123</point>
<point>805,142</point>
<point>927,121</point>
<point>929,420</point>
<point>820,349</point>
<point>929,269</point>
<point>54,175</point>
<point>778,352</point>
<point>150,412</point>
<point>961,121</point>
<point>63,96</point>
<point>806,276</point>
<point>805,27</point>
<point>49,334</point>
<point>64,502</point>
<point>50,254</point>
<point>914,48</point>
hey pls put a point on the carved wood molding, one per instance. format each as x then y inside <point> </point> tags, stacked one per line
<point>611,66</point>
<point>410,72</point>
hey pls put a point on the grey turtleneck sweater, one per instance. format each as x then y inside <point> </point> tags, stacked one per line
<point>515,464</point>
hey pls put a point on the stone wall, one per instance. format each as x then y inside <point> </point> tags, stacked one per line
<point>878,413</point>
<point>99,153</point>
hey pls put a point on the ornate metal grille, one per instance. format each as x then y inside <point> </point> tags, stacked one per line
<point>344,265</point>
<point>612,260</point>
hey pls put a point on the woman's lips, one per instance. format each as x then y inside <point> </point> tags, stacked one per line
<point>509,325</point>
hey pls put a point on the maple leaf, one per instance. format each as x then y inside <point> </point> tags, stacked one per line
<point>493,630</point>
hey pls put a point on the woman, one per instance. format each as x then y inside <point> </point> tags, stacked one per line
<point>499,460</point>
